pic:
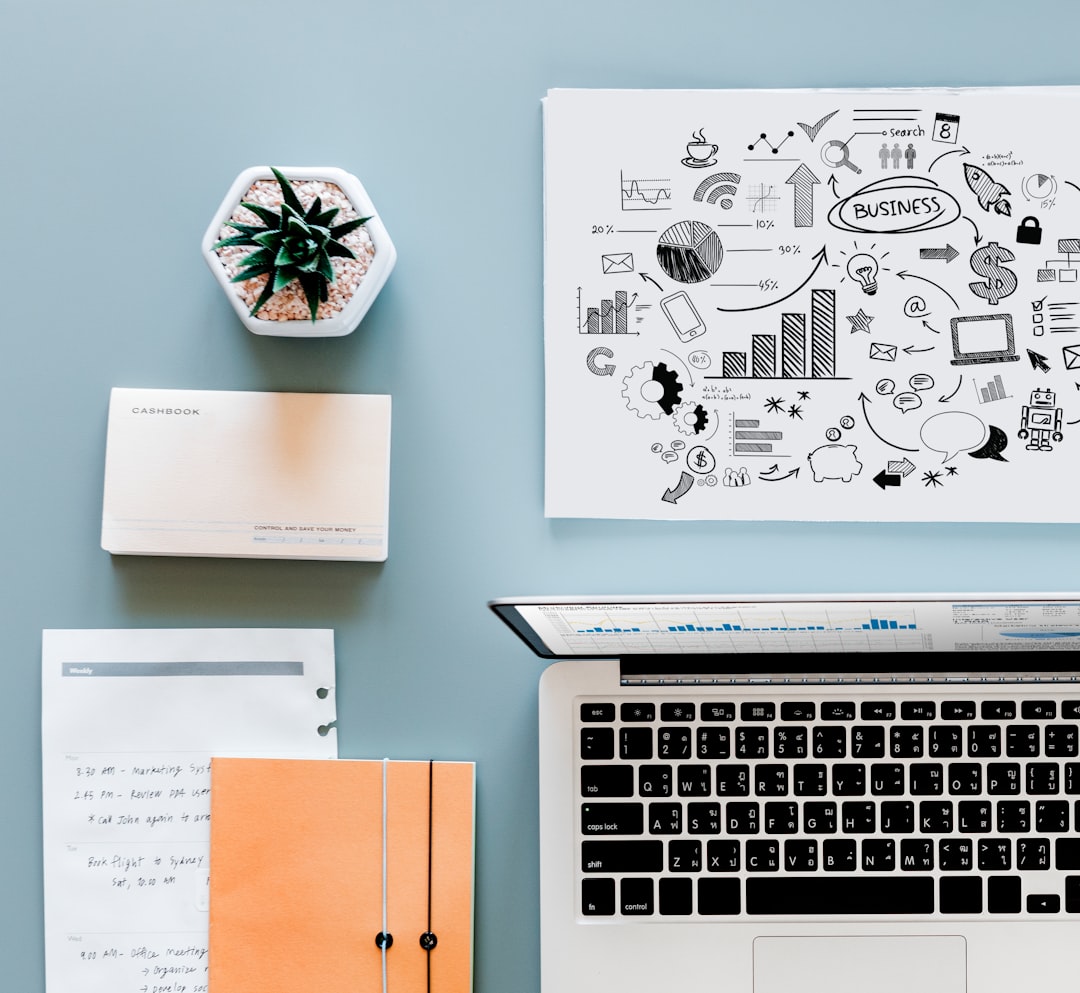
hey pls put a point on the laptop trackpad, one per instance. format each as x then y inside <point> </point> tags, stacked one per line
<point>882,963</point>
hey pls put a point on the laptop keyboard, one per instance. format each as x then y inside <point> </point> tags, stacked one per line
<point>927,806</point>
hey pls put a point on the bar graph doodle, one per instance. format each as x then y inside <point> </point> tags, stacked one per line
<point>825,291</point>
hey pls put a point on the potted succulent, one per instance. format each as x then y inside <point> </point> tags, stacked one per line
<point>298,251</point>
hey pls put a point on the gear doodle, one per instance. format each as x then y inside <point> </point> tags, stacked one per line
<point>651,389</point>
<point>690,418</point>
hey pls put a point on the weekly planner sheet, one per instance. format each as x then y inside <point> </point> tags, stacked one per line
<point>812,304</point>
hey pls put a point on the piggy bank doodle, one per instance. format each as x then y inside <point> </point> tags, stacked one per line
<point>834,462</point>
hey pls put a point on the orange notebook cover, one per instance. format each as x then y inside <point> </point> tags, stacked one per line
<point>312,861</point>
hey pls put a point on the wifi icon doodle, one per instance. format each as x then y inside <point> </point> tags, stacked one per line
<point>718,186</point>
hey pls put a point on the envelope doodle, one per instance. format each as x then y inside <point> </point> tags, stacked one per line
<point>774,291</point>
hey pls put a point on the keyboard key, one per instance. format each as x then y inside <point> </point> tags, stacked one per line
<point>995,854</point>
<point>763,856</point>
<point>956,854</point>
<point>927,778</point>
<point>598,897</point>
<point>1003,895</point>
<point>918,710</point>
<point>946,741</point>
<point>743,818</point>
<point>1060,740</point>
<point>997,710</point>
<point>1052,816</point>
<point>622,856</point>
<point>718,897</point>
<point>829,742</point>
<point>1070,710</point>
<point>958,710</point>
<point>1014,816</point>
<point>654,780</point>
<point>1002,778</point>
<point>1042,778</point>
<point>878,855</point>
<point>906,742</point>
<point>636,897</point>
<point>758,711</point>
<point>1047,903</point>
<point>916,855</point>
<point>1022,740</point>
<point>961,895</point>
<point>877,710</point>
<point>886,779</point>
<point>849,779</point>
<point>1067,853</point>
<point>674,743</point>
<point>597,743</point>
<point>684,856</point>
<point>843,710</point>
<point>635,743</point>
<point>732,780</point>
<point>713,743</point>
<point>789,742</point>
<point>1072,894</point>
<point>752,743</point>
<point>897,817</point>
<point>857,817</point>
<point>704,818</point>
<point>935,816</point>
<point>612,818</point>
<point>810,779</point>
<point>676,897</point>
<point>965,778</point>
<point>1038,710</point>
<point>1033,854</point>
<point>984,741</point>
<point>848,895</point>
<point>722,856</point>
<point>797,711</point>
<point>771,780</point>
<point>974,817</point>
<point>868,742</point>
<point>592,713</point>
<point>781,818</point>
<point>635,713</point>
<point>819,817</point>
<point>665,818</point>
<point>801,855</point>
<point>607,780</point>
<point>838,855</point>
<point>1072,777</point>
<point>694,780</point>
<point>718,711</point>
<point>675,712</point>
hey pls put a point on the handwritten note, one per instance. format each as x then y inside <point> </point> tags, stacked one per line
<point>130,720</point>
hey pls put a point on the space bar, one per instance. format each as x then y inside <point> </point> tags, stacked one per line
<point>841,895</point>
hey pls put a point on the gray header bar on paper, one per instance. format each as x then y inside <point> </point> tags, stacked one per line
<point>234,668</point>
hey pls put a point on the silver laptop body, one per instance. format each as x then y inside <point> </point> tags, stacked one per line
<point>879,794</point>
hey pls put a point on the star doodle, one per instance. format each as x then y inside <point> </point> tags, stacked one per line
<point>860,321</point>
<point>950,470</point>
<point>804,394</point>
<point>774,404</point>
<point>931,479</point>
<point>794,412</point>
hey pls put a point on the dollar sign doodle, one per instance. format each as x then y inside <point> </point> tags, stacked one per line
<point>701,459</point>
<point>1000,282</point>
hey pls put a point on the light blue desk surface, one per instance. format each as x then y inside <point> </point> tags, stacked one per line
<point>122,125</point>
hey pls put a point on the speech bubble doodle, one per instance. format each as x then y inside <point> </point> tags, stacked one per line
<point>907,401</point>
<point>699,359</point>
<point>952,432</point>
<point>885,387</point>
<point>995,444</point>
<point>669,456</point>
<point>921,381</point>
<point>656,448</point>
<point>678,445</point>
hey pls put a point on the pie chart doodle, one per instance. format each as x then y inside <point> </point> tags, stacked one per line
<point>689,251</point>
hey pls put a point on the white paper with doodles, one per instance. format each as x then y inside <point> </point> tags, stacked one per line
<point>812,304</point>
<point>130,719</point>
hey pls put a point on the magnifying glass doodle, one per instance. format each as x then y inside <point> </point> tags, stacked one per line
<point>835,154</point>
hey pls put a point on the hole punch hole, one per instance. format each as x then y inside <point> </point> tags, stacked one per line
<point>324,729</point>
<point>384,939</point>
<point>322,692</point>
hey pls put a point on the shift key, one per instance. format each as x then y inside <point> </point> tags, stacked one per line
<point>622,856</point>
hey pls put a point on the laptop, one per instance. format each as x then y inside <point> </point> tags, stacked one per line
<point>829,794</point>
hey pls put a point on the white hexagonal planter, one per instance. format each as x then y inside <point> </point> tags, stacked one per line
<point>357,282</point>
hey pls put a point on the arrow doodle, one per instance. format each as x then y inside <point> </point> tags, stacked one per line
<point>1038,361</point>
<point>686,482</point>
<point>864,400</point>
<point>804,182</point>
<point>948,253</point>
<point>821,258</point>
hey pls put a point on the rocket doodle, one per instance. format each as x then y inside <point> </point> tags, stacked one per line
<point>990,194</point>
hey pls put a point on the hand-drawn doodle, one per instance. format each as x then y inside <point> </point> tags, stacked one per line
<point>699,152</point>
<point>1040,421</point>
<point>989,261</point>
<point>983,338</point>
<point>689,251</point>
<point>834,462</point>
<point>997,441</point>
<point>902,200</point>
<point>987,192</point>
<point>813,129</point>
<point>720,186</point>
<point>952,432</point>
<point>679,309</point>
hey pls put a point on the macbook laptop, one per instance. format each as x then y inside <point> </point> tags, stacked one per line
<point>836,794</point>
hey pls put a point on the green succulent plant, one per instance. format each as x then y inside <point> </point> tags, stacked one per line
<point>293,243</point>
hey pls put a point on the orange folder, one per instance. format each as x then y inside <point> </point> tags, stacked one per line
<point>312,860</point>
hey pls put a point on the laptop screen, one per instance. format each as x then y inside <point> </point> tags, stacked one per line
<point>647,627</point>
